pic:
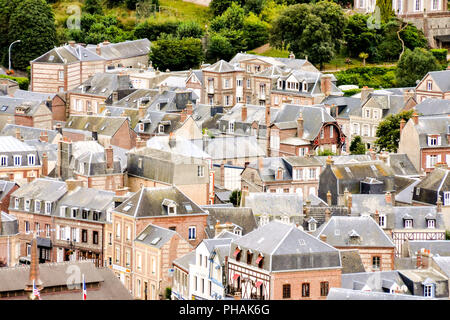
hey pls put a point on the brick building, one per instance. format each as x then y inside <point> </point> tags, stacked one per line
<point>279,261</point>
<point>435,84</point>
<point>9,240</point>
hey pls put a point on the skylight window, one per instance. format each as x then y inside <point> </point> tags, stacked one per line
<point>348,170</point>
<point>70,123</point>
<point>86,126</point>
<point>188,207</point>
<point>260,240</point>
<point>156,240</point>
<point>373,167</point>
<point>142,236</point>
<point>4,108</point>
<point>127,207</point>
<point>104,90</point>
<point>52,57</point>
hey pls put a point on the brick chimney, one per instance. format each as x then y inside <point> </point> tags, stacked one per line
<point>244,113</point>
<point>323,238</point>
<point>365,91</point>
<point>300,125</point>
<point>44,136</point>
<point>189,109</point>
<point>44,164</point>
<point>402,125</point>
<point>439,204</point>
<point>291,55</point>
<point>72,43</point>
<point>330,161</point>
<point>59,128</point>
<point>98,50</point>
<point>388,197</point>
<point>109,155</point>
<point>325,84</point>
<point>121,191</point>
<point>172,140</point>
<point>327,215</point>
<point>260,163</point>
<point>219,227</point>
<point>329,198</point>
<point>140,143</point>
<point>106,42</point>
<point>415,118</point>
<point>18,135</point>
<point>408,95</point>
<point>72,184</point>
<point>376,217</point>
<point>349,204</point>
<point>222,174</point>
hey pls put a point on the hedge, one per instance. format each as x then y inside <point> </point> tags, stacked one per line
<point>23,82</point>
<point>374,77</point>
<point>440,55</point>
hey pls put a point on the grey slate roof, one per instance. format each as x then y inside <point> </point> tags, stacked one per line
<point>8,105</point>
<point>430,107</point>
<point>222,66</point>
<point>184,261</point>
<point>5,188</point>
<point>182,146</point>
<point>349,294</point>
<point>369,203</point>
<point>42,189</point>
<point>89,198</point>
<point>104,84</point>
<point>443,264</point>
<point>344,106</point>
<point>340,229</point>
<point>27,133</point>
<point>121,50</point>
<point>351,261</point>
<point>11,144</point>
<point>438,125</point>
<point>103,125</point>
<point>286,247</point>
<point>402,165</point>
<point>31,95</point>
<point>242,217</point>
<point>150,235</point>
<point>225,234</point>
<point>438,180</point>
<point>9,224</point>
<point>389,103</point>
<point>54,274</point>
<point>276,204</point>
<point>148,202</point>
<point>380,281</point>
<point>419,214</point>
<point>436,247</point>
<point>222,148</point>
<point>441,78</point>
<point>314,117</point>
<point>405,188</point>
<point>68,54</point>
<point>354,158</point>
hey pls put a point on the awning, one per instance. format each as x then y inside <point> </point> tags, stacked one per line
<point>44,242</point>
<point>236,276</point>
<point>236,252</point>
<point>258,284</point>
<point>259,259</point>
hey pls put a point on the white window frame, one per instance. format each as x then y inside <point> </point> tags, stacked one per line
<point>61,75</point>
<point>37,206</point>
<point>447,198</point>
<point>408,223</point>
<point>192,233</point>
<point>200,171</point>
<point>428,290</point>
<point>431,224</point>
<point>17,160</point>
<point>382,220</point>
<point>27,204</point>
<point>4,161</point>
<point>48,207</point>
<point>231,127</point>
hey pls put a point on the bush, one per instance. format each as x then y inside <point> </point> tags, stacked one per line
<point>440,55</point>
<point>374,77</point>
<point>23,82</point>
<point>153,30</point>
<point>168,293</point>
<point>351,92</point>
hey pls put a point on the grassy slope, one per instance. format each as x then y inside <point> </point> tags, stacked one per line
<point>170,9</point>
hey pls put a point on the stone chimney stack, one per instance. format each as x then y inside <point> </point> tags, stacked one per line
<point>373,154</point>
<point>388,197</point>
<point>98,50</point>
<point>300,125</point>
<point>44,164</point>
<point>219,227</point>
<point>329,198</point>
<point>18,135</point>
<point>244,113</point>
<point>72,43</point>
<point>292,56</point>
<point>44,136</point>
<point>439,204</point>
<point>260,163</point>
<point>59,128</point>
<point>172,140</point>
<point>189,109</point>
<point>323,238</point>
<point>325,84</point>
<point>222,175</point>
<point>141,111</point>
<point>415,118</point>
<point>365,91</point>
<point>109,155</point>
<point>115,96</point>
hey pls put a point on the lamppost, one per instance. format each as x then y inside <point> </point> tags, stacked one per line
<point>10,52</point>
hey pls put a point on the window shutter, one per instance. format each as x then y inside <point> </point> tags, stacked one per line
<point>439,158</point>
<point>439,140</point>
<point>57,232</point>
<point>77,235</point>
<point>305,174</point>
<point>317,173</point>
<point>428,161</point>
<point>68,235</point>
<point>429,141</point>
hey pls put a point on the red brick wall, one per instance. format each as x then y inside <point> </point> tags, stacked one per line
<point>58,109</point>
<point>4,204</point>
<point>296,278</point>
<point>433,151</point>
<point>23,120</point>
<point>125,137</point>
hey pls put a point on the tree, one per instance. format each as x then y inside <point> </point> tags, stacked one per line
<point>33,23</point>
<point>386,11</point>
<point>357,146</point>
<point>113,3</point>
<point>189,29</point>
<point>218,7</point>
<point>313,30</point>
<point>235,197</point>
<point>364,56</point>
<point>93,7</point>
<point>388,131</point>
<point>219,48</point>
<point>7,7</point>
<point>414,65</point>
<point>359,37</point>
<point>256,32</point>
<point>326,152</point>
<point>176,54</point>
<point>131,4</point>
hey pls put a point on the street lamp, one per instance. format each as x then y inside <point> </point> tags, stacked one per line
<point>10,52</point>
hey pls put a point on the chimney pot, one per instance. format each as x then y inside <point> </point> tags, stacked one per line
<point>329,198</point>
<point>323,238</point>
<point>244,113</point>
<point>109,154</point>
<point>415,118</point>
<point>439,204</point>
<point>300,125</point>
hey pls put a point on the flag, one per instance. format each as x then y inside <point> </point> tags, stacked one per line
<point>84,289</point>
<point>36,292</point>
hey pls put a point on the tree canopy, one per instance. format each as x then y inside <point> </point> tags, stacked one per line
<point>388,131</point>
<point>414,65</point>
<point>357,146</point>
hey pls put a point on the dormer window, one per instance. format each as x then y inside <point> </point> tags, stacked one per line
<point>62,211</point>
<point>27,204</point>
<point>200,171</point>
<point>4,161</point>
<point>429,85</point>
<point>408,223</point>
<point>95,215</point>
<point>16,203</point>
<point>280,172</point>
<point>237,254</point>
<point>434,140</point>
<point>260,261</point>
<point>312,226</point>
<point>85,213</point>
<point>382,221</point>
<point>249,256</point>
<point>171,209</point>
<point>264,219</point>
<point>37,206</point>
<point>305,86</point>
<point>17,160</point>
<point>431,223</point>
<point>141,127</point>
<point>74,212</point>
<point>161,128</point>
<point>446,198</point>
